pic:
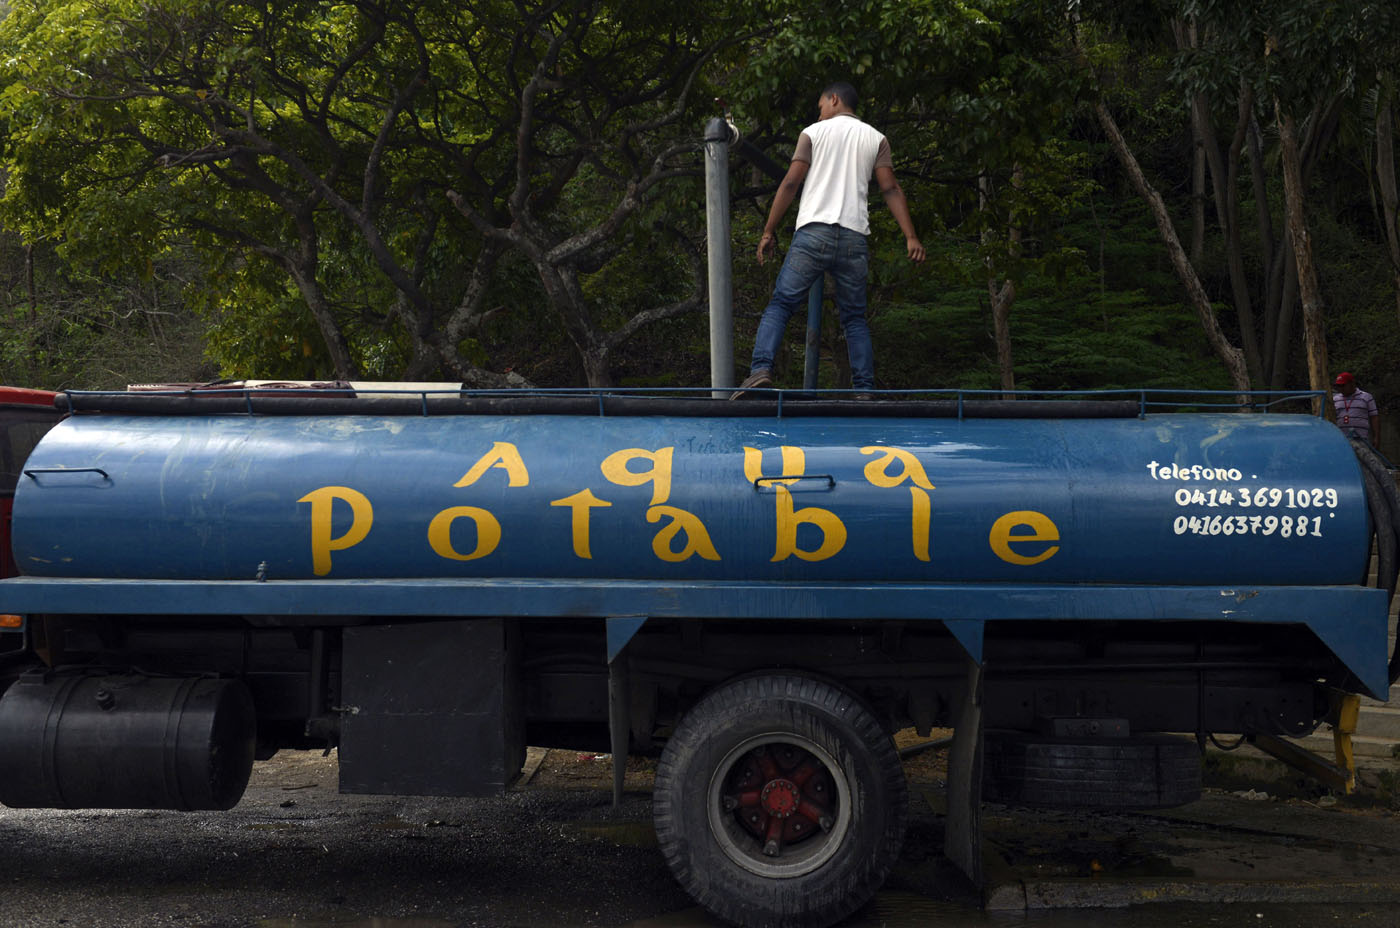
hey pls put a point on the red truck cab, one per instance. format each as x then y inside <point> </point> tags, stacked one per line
<point>25,415</point>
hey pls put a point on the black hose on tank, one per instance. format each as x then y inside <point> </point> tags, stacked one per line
<point>1383,521</point>
<point>1383,501</point>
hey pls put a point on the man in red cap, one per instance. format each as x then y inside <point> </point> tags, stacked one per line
<point>1356,409</point>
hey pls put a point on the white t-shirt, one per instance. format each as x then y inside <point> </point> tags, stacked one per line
<point>843,153</point>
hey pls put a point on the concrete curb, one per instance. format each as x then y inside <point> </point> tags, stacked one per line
<point>1018,896</point>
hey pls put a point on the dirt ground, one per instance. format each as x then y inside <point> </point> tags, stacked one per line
<point>554,852</point>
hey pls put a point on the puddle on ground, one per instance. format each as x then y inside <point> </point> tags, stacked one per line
<point>909,910</point>
<point>1148,866</point>
<point>354,923</point>
<point>890,909</point>
<point>628,834</point>
<point>893,909</point>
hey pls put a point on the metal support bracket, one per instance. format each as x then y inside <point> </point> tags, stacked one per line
<point>962,834</point>
<point>969,634</point>
<point>619,725</point>
<point>620,630</point>
<point>1341,776</point>
<point>1333,776</point>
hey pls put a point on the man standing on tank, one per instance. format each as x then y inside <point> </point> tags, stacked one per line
<point>835,157</point>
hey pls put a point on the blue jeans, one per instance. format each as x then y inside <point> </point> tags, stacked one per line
<point>818,248</point>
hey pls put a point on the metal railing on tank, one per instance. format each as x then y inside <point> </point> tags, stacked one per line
<point>288,398</point>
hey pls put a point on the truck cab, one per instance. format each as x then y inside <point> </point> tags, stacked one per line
<point>25,417</point>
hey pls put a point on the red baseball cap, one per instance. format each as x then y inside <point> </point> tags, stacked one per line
<point>1343,379</point>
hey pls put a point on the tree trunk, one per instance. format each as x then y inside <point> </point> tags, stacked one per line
<point>1002,297</point>
<point>1224,175</point>
<point>1385,174</point>
<point>1231,356</point>
<point>1198,184</point>
<point>566,296</point>
<point>1283,321</point>
<point>1186,39</point>
<point>1314,334</point>
<point>1003,294</point>
<point>336,345</point>
<point>302,266</point>
<point>29,290</point>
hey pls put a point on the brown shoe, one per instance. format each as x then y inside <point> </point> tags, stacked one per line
<point>759,378</point>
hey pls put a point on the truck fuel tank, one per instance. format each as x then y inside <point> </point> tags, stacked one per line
<point>105,741</point>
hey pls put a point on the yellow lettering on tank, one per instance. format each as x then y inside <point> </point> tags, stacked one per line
<point>832,528</point>
<point>614,467</point>
<point>794,464</point>
<point>488,532</point>
<point>877,473</point>
<point>1042,530</point>
<point>581,502</point>
<point>322,510</point>
<point>923,510</point>
<point>503,455</point>
<point>878,470</point>
<point>697,538</point>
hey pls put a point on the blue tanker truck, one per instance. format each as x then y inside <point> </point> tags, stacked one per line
<point>759,592</point>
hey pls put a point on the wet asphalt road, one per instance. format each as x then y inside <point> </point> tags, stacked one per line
<point>296,854</point>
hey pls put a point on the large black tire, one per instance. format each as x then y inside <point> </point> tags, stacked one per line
<point>781,763</point>
<point>1146,772</point>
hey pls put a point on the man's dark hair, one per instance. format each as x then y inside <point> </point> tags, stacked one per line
<point>845,91</point>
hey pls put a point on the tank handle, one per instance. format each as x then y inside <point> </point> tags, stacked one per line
<point>758,482</point>
<point>33,472</point>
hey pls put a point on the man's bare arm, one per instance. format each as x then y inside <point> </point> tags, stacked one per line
<point>787,192</point>
<point>899,207</point>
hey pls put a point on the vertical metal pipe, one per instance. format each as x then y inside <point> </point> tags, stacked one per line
<point>717,138</point>
<point>813,358</point>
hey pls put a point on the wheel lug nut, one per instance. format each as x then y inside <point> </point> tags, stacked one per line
<point>771,849</point>
<point>825,822</point>
<point>730,803</point>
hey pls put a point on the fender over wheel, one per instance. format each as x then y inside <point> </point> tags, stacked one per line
<point>780,801</point>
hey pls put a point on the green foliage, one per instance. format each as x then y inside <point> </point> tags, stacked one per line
<point>1091,325</point>
<point>1073,340</point>
<point>63,328</point>
<point>278,175</point>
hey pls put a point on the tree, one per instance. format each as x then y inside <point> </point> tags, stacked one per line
<point>1293,64</point>
<point>978,138</point>
<point>323,138</point>
<point>599,101</point>
<point>1385,179</point>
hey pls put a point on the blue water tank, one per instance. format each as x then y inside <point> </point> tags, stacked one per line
<point>1163,499</point>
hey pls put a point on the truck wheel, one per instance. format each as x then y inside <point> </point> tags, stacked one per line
<point>780,800</point>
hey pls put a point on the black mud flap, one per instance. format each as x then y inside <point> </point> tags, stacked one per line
<point>431,709</point>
